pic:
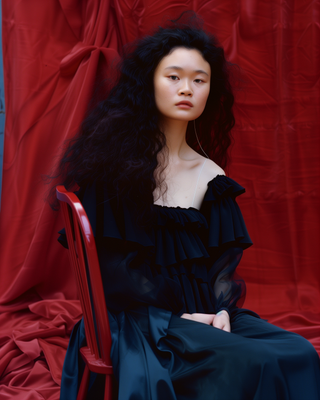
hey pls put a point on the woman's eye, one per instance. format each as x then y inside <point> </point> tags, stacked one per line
<point>198,80</point>
<point>173,77</point>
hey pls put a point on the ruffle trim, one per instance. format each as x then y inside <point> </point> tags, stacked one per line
<point>178,217</point>
<point>179,233</point>
<point>225,220</point>
<point>222,186</point>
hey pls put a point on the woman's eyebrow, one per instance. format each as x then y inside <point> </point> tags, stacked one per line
<point>199,71</point>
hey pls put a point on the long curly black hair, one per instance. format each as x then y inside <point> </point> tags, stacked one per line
<point>120,139</point>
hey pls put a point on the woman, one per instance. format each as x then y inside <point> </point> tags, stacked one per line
<point>170,235</point>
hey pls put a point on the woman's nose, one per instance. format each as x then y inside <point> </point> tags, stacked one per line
<point>185,90</point>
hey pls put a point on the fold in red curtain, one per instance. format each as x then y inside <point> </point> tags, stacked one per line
<point>53,52</point>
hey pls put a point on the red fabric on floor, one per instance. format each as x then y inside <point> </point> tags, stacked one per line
<point>33,346</point>
<point>53,51</point>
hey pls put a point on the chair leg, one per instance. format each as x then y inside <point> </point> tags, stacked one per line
<point>108,388</point>
<point>83,389</point>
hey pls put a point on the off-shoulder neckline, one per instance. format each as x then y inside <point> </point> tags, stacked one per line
<point>190,208</point>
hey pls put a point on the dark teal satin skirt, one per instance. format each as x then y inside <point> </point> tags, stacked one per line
<point>158,356</point>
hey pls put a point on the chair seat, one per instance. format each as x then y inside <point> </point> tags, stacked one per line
<point>95,365</point>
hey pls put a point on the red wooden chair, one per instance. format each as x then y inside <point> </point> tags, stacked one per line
<point>82,250</point>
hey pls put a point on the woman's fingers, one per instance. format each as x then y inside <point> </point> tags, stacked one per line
<point>227,328</point>
<point>222,321</point>
<point>198,317</point>
<point>203,318</point>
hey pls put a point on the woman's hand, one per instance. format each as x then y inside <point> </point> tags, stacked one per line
<point>220,320</point>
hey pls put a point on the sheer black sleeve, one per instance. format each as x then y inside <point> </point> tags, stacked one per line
<point>227,238</point>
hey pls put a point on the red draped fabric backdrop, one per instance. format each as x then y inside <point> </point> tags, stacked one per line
<point>53,52</point>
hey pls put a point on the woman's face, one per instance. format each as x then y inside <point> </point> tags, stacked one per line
<point>182,84</point>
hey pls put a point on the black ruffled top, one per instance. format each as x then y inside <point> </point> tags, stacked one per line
<point>184,263</point>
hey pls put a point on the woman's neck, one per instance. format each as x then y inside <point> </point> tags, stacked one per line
<point>175,133</point>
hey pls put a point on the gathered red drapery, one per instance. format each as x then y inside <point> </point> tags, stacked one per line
<point>53,52</point>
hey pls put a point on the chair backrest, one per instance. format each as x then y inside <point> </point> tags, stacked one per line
<point>82,250</point>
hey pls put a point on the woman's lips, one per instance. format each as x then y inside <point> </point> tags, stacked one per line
<point>184,104</point>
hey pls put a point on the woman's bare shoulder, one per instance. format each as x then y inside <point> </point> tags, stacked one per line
<point>210,170</point>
